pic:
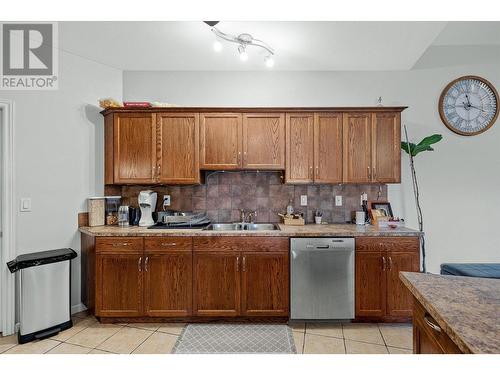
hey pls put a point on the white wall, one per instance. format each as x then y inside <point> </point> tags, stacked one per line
<point>59,155</point>
<point>459,181</point>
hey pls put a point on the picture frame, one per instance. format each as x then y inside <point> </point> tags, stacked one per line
<point>379,209</point>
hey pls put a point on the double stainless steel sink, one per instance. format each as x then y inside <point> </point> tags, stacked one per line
<point>242,226</point>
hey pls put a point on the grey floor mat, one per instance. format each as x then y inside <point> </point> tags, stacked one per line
<point>235,338</point>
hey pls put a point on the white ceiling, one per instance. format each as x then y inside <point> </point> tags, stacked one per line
<point>310,46</point>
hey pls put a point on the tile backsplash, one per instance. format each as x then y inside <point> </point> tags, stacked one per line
<point>225,193</point>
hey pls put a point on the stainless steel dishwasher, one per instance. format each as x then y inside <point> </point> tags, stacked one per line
<point>322,278</point>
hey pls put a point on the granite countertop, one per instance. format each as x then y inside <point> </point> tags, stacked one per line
<point>322,230</point>
<point>466,308</point>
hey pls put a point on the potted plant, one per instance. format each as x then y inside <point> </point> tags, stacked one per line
<point>413,150</point>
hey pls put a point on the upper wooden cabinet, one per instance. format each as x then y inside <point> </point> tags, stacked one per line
<point>221,141</point>
<point>263,141</point>
<point>132,148</point>
<point>386,147</point>
<point>357,147</point>
<point>312,145</point>
<point>372,144</point>
<point>299,148</point>
<point>146,148</point>
<point>328,148</point>
<point>314,148</point>
<point>178,135</point>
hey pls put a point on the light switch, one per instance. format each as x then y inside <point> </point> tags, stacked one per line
<point>25,204</point>
<point>338,200</point>
<point>303,200</point>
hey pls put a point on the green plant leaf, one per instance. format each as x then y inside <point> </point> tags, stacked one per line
<point>423,145</point>
<point>404,147</point>
<point>435,138</point>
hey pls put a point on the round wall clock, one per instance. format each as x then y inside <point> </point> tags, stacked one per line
<point>469,105</point>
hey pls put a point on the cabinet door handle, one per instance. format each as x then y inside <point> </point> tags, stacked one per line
<point>369,173</point>
<point>390,263</point>
<point>158,172</point>
<point>238,264</point>
<point>244,263</point>
<point>384,263</point>
<point>238,159</point>
<point>146,264</point>
<point>433,325</point>
<point>317,171</point>
<point>311,172</point>
<point>168,244</point>
<point>374,173</point>
<point>139,263</point>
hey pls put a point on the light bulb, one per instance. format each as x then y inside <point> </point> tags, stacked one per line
<point>269,61</point>
<point>243,53</point>
<point>217,46</point>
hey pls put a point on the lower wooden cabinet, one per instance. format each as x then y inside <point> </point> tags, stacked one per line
<point>164,278</point>
<point>168,284</point>
<point>264,284</point>
<point>428,336</point>
<point>119,285</point>
<point>380,294</point>
<point>216,284</point>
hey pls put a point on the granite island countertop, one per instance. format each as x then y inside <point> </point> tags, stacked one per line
<point>466,308</point>
<point>316,230</point>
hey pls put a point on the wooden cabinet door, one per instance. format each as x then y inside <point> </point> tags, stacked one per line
<point>220,141</point>
<point>399,299</point>
<point>370,284</point>
<point>386,147</point>
<point>216,290</point>
<point>168,284</point>
<point>265,283</point>
<point>357,147</point>
<point>134,137</point>
<point>299,148</point>
<point>179,148</point>
<point>328,148</point>
<point>264,141</point>
<point>119,285</point>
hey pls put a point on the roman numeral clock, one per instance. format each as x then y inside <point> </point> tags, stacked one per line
<point>469,105</point>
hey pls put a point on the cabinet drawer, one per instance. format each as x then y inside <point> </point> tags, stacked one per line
<point>168,243</point>
<point>111,244</point>
<point>431,329</point>
<point>257,244</point>
<point>388,243</point>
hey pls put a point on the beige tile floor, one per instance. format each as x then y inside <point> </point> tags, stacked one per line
<point>87,336</point>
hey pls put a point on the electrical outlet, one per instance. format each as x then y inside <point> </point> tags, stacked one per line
<point>25,205</point>
<point>166,200</point>
<point>338,200</point>
<point>303,200</point>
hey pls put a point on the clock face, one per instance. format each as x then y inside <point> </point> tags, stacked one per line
<point>469,105</point>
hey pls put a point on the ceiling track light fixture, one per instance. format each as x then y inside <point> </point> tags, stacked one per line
<point>243,40</point>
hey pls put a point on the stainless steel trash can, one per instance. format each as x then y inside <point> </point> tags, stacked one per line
<point>44,288</point>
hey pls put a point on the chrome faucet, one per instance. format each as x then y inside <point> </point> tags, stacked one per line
<point>250,216</point>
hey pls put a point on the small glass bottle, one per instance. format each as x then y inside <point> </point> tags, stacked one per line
<point>289,208</point>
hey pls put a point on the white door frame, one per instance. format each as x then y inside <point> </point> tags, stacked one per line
<point>8,239</point>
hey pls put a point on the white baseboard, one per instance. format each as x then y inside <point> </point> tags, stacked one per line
<point>77,308</point>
